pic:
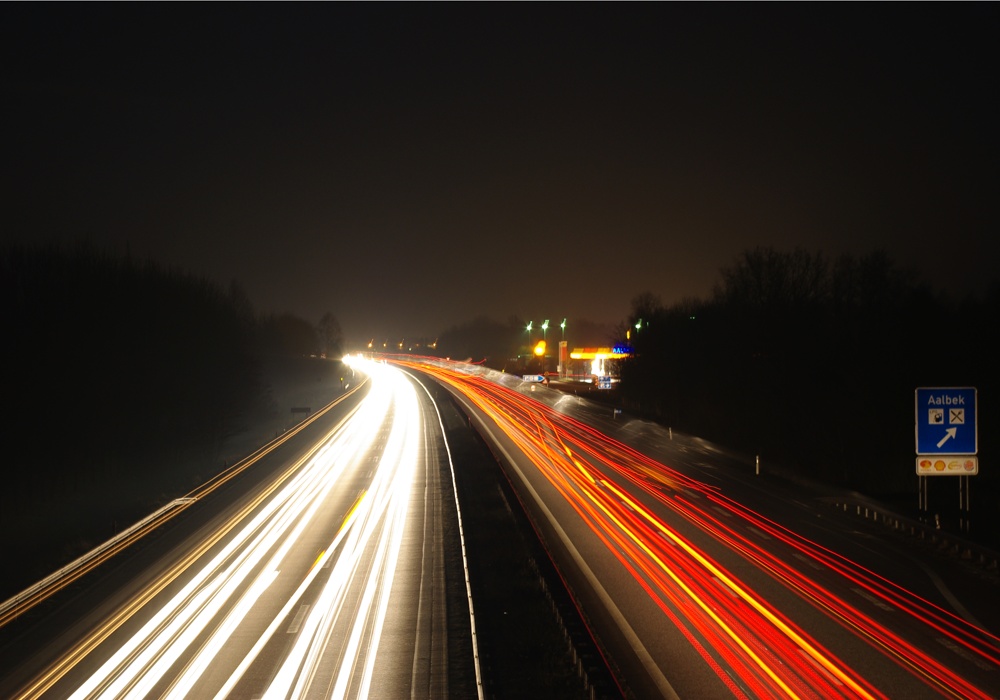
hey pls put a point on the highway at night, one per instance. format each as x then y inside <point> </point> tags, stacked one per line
<point>467,351</point>
<point>331,564</point>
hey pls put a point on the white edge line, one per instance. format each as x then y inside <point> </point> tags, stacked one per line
<point>461,536</point>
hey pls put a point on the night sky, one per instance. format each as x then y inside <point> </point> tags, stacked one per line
<point>410,167</point>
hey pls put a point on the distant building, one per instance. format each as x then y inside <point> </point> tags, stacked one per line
<point>594,364</point>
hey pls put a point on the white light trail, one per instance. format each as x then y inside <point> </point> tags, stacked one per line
<point>343,627</point>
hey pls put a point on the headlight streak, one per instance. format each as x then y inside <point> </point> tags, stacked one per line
<point>167,634</point>
<point>290,604</point>
<point>737,633</point>
<point>382,518</point>
<point>24,601</point>
<point>366,545</point>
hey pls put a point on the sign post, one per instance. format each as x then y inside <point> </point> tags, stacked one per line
<point>947,438</point>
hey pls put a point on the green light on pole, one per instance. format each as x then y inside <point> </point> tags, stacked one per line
<point>563,327</point>
<point>545,327</point>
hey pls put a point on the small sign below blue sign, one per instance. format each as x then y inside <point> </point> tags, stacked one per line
<point>946,421</point>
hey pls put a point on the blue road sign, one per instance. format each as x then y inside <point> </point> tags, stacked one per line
<point>946,421</point>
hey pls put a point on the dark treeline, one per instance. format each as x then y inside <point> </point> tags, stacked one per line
<point>812,363</point>
<point>115,366</point>
<point>483,339</point>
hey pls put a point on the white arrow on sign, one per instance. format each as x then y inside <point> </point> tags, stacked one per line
<point>948,434</point>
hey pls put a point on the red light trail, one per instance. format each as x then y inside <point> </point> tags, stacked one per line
<point>629,501</point>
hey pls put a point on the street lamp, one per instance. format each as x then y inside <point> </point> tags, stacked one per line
<point>540,348</point>
<point>563,327</point>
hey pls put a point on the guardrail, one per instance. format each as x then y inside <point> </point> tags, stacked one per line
<point>34,594</point>
<point>945,540</point>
